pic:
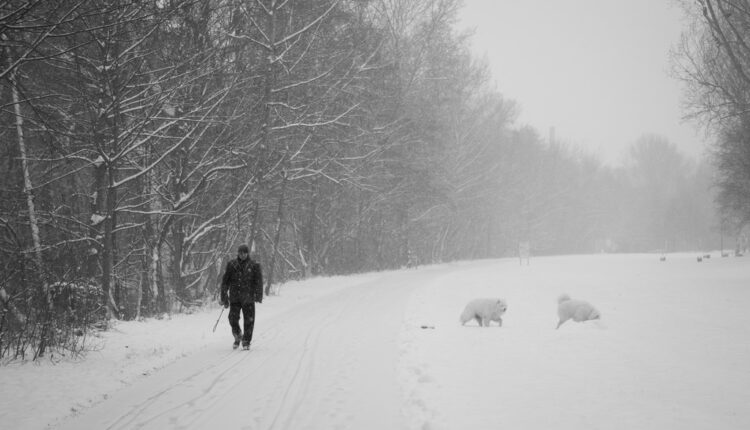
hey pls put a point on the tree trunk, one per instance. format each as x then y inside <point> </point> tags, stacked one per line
<point>178,239</point>
<point>404,238</point>
<point>95,229</point>
<point>277,238</point>
<point>139,293</point>
<point>152,237</point>
<point>157,289</point>
<point>108,247</point>
<point>27,187</point>
<point>253,241</point>
<point>29,193</point>
<point>309,236</point>
<point>269,81</point>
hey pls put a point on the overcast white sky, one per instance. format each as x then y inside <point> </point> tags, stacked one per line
<point>596,70</point>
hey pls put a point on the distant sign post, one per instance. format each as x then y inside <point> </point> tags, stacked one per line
<point>524,252</point>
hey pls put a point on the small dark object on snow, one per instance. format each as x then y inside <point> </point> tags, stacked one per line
<point>699,259</point>
<point>427,326</point>
<point>663,258</point>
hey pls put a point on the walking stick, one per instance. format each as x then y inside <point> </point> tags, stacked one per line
<point>217,319</point>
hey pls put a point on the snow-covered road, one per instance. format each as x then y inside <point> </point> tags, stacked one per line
<point>327,363</point>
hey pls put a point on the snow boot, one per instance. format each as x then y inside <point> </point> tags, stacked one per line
<point>246,346</point>
<point>237,338</point>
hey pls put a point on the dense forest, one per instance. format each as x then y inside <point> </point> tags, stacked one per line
<point>144,140</point>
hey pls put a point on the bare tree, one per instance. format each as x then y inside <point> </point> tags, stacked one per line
<point>714,61</point>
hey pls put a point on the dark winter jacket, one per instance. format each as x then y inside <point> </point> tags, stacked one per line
<point>242,282</point>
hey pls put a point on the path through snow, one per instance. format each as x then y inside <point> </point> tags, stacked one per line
<point>671,352</point>
<point>328,363</point>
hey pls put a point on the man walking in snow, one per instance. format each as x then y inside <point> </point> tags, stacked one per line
<point>241,288</point>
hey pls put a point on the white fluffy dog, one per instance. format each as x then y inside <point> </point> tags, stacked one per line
<point>484,311</point>
<point>577,310</point>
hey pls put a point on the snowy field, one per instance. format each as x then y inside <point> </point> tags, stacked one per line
<point>671,352</point>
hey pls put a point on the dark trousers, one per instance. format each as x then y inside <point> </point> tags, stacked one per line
<point>248,317</point>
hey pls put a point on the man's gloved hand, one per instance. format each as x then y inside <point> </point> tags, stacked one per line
<point>259,298</point>
<point>225,302</point>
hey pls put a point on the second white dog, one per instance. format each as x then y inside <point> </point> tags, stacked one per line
<point>577,310</point>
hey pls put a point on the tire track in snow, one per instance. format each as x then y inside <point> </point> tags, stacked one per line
<point>187,413</point>
<point>190,411</point>
<point>147,409</point>
<point>186,409</point>
<point>299,384</point>
<point>314,365</point>
<point>134,417</point>
<point>221,387</point>
<point>126,420</point>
